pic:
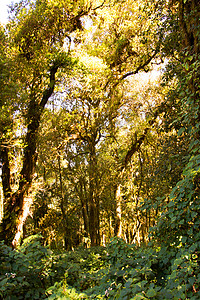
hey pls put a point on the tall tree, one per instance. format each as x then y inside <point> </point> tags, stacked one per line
<point>37,34</point>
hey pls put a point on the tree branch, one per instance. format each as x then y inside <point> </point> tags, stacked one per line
<point>99,6</point>
<point>139,68</point>
<point>49,91</point>
<point>137,144</point>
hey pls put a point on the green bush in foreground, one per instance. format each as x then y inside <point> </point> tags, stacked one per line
<point>118,271</point>
<point>21,273</point>
<point>129,272</point>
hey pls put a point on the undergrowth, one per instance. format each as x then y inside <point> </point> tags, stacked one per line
<point>118,271</point>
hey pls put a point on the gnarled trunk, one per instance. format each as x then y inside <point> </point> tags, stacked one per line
<point>17,204</point>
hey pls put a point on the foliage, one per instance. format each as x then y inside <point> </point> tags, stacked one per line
<point>97,151</point>
<point>62,291</point>
<point>117,271</point>
<point>130,272</point>
<point>22,270</point>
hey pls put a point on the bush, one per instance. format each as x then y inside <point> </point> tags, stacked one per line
<point>129,272</point>
<point>21,273</point>
<point>119,271</point>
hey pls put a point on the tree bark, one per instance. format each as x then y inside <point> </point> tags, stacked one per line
<point>84,204</point>
<point>67,235</point>
<point>5,170</point>
<point>17,204</point>
<point>118,223</point>
<point>93,202</point>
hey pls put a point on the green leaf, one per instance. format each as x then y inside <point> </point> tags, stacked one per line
<point>187,66</point>
<point>191,280</point>
<point>151,293</point>
<point>138,297</point>
<point>171,203</point>
<point>181,130</point>
<point>184,239</point>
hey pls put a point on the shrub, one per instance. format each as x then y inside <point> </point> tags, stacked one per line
<point>21,273</point>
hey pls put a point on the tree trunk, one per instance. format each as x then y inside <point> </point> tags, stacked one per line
<point>17,204</point>
<point>133,149</point>
<point>118,221</point>
<point>5,171</point>
<point>93,202</point>
<point>84,205</point>
<point>67,235</point>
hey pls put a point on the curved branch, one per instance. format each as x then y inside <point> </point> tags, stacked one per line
<point>140,67</point>
<point>137,144</point>
<point>49,91</point>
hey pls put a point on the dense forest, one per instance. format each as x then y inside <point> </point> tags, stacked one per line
<point>99,150</point>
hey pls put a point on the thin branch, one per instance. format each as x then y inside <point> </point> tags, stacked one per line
<point>137,144</point>
<point>99,6</point>
<point>79,154</point>
<point>139,68</point>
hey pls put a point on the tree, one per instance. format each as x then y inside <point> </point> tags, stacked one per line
<point>99,120</point>
<point>37,56</point>
<point>95,105</point>
<point>86,128</point>
<point>179,222</point>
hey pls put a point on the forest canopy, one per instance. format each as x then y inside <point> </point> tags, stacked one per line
<point>99,141</point>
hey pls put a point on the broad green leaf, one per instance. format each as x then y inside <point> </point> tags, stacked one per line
<point>151,293</point>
